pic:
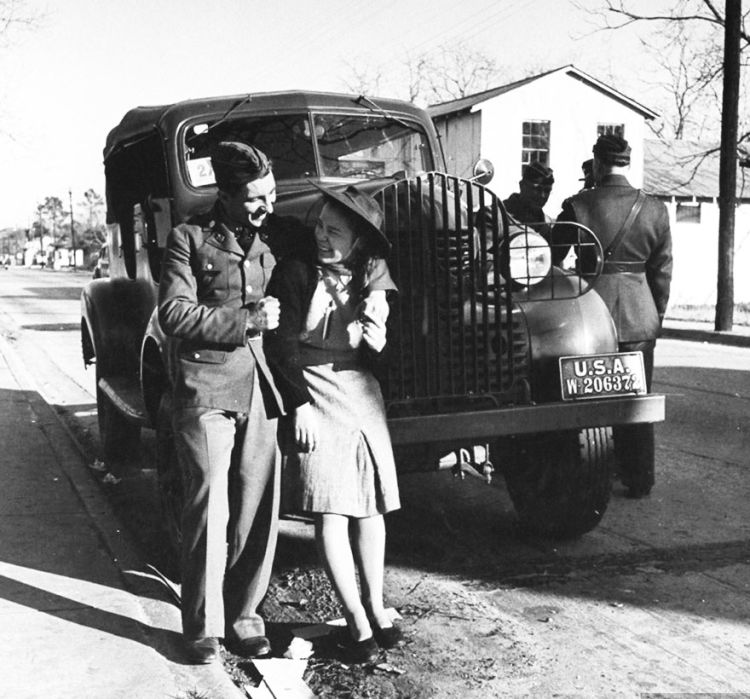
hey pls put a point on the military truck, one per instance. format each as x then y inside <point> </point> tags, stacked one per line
<point>490,343</point>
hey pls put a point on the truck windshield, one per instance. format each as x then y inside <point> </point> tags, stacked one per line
<point>349,146</point>
<point>366,146</point>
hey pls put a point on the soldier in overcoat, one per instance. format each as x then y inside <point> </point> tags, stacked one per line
<point>635,281</point>
<point>213,309</point>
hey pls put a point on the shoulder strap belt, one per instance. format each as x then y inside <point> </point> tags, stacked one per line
<point>634,211</point>
<point>612,267</point>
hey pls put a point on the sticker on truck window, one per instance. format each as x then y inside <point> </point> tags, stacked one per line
<point>200,172</point>
<point>602,375</point>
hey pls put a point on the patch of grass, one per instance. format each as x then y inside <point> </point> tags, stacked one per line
<point>706,313</point>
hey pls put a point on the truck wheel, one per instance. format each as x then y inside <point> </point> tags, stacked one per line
<point>169,475</point>
<point>119,438</point>
<point>559,482</point>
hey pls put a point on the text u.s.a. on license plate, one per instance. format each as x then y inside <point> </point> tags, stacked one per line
<point>597,375</point>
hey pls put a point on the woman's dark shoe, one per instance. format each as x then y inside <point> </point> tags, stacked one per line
<point>357,652</point>
<point>388,637</point>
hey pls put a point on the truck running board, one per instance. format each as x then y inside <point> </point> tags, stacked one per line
<point>125,396</point>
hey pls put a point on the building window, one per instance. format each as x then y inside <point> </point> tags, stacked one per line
<point>535,142</point>
<point>610,130</point>
<point>688,212</point>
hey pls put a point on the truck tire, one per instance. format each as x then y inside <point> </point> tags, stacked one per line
<point>171,492</point>
<point>559,482</point>
<point>120,439</point>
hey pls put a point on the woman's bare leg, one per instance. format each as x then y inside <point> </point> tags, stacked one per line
<point>332,538</point>
<point>368,540</point>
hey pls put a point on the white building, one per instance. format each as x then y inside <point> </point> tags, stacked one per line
<point>554,117</point>
<point>685,175</point>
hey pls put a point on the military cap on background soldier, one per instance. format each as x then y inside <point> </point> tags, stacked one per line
<point>611,149</point>
<point>527,205</point>
<point>587,168</point>
<point>537,173</point>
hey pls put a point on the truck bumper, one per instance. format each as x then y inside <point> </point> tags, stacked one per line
<point>527,419</point>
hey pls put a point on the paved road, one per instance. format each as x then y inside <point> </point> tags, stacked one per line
<point>656,599</point>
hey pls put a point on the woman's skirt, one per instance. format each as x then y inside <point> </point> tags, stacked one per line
<point>351,472</point>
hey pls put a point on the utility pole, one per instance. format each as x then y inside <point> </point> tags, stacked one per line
<point>72,227</point>
<point>41,234</point>
<point>728,165</point>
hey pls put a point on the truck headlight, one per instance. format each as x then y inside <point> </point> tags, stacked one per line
<point>530,258</point>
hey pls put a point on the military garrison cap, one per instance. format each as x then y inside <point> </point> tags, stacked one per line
<point>537,173</point>
<point>236,163</point>
<point>612,150</point>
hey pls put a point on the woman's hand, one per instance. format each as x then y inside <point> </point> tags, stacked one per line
<point>305,428</point>
<point>373,332</point>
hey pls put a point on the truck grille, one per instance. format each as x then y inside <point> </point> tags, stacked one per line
<point>456,341</point>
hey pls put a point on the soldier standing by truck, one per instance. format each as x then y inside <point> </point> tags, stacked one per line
<point>634,232</point>
<point>212,306</point>
<point>527,204</point>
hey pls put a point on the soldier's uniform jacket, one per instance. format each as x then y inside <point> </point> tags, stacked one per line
<point>636,279</point>
<point>207,287</point>
<point>527,214</point>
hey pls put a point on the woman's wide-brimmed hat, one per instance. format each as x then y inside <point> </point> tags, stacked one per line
<point>364,207</point>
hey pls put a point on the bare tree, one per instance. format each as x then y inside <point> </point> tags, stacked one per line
<point>689,84</point>
<point>454,71</point>
<point>16,16</point>
<point>447,72</point>
<point>363,79</point>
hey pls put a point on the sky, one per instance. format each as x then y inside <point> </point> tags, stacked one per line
<point>65,84</point>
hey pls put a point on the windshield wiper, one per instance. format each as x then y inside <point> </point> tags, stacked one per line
<point>245,100</point>
<point>364,99</point>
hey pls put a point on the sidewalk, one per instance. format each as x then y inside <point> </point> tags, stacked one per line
<point>704,332</point>
<point>79,615</point>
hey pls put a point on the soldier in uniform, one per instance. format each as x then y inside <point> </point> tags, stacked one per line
<point>534,188</point>
<point>634,232</point>
<point>213,308</point>
<point>587,168</point>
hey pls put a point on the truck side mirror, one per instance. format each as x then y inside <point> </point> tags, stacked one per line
<point>483,171</point>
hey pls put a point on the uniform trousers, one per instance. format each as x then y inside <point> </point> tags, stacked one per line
<point>231,466</point>
<point>634,444</point>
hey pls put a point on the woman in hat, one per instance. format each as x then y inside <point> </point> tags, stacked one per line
<point>332,323</point>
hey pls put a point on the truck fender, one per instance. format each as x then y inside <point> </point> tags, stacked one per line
<point>114,315</point>
<point>580,325</point>
<point>156,365</point>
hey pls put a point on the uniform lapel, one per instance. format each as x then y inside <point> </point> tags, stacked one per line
<point>223,239</point>
<point>257,248</point>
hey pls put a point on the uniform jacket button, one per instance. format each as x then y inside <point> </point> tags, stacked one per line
<point>196,355</point>
<point>248,289</point>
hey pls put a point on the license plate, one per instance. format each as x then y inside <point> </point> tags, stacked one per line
<point>601,375</point>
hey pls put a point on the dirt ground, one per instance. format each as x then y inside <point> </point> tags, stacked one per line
<point>655,601</point>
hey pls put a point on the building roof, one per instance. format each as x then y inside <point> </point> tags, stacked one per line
<point>470,101</point>
<point>686,169</point>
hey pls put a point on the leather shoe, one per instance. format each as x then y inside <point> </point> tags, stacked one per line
<point>358,652</point>
<point>202,651</point>
<point>251,647</point>
<point>388,637</point>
